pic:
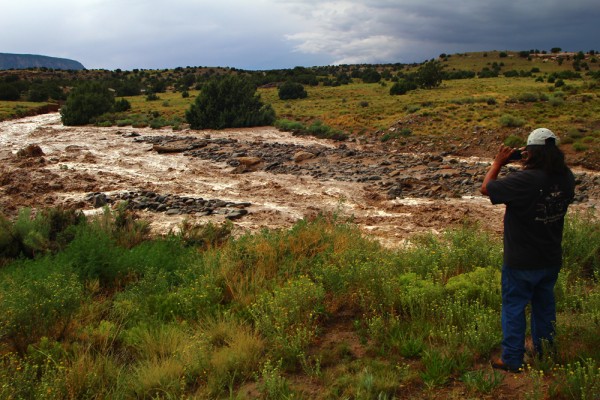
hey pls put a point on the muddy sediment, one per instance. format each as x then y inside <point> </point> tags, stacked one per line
<point>258,177</point>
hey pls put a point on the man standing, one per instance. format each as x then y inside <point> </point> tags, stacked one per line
<point>536,200</point>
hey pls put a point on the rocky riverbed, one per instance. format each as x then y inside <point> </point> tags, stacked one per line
<point>257,177</point>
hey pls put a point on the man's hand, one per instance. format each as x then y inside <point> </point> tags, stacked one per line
<point>503,156</point>
<point>501,159</point>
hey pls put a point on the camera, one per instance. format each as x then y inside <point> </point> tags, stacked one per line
<point>516,155</point>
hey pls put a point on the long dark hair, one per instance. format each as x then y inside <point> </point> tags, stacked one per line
<point>546,157</point>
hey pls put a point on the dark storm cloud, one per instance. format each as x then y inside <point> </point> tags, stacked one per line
<point>265,34</point>
<point>408,31</point>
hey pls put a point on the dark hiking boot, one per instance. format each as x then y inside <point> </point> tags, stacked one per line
<point>499,364</point>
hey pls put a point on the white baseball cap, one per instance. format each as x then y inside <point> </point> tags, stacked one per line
<point>538,137</point>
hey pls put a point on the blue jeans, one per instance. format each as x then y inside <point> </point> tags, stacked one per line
<point>520,287</point>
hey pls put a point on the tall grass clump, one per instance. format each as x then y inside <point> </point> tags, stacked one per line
<point>287,317</point>
<point>581,245</point>
<point>37,299</point>
<point>455,251</point>
<point>31,235</point>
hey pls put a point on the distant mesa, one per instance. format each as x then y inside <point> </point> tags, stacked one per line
<point>26,61</point>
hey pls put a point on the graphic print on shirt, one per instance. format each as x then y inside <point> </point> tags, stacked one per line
<point>551,207</point>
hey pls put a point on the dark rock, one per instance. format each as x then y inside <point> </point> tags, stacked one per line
<point>394,192</point>
<point>32,150</point>
<point>99,200</point>
<point>236,214</point>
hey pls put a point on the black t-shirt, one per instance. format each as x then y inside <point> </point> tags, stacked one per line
<point>536,204</point>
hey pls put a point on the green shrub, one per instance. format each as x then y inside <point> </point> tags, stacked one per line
<point>402,87</point>
<point>370,75</point>
<point>292,90</point>
<point>528,97</point>
<point>581,244</point>
<point>579,146</point>
<point>287,317</point>
<point>514,141</point>
<point>287,125</point>
<point>511,121</point>
<point>9,92</point>
<point>124,122</point>
<point>50,230</point>
<point>37,299</point>
<point>580,380</point>
<point>89,100</point>
<point>170,289</point>
<point>482,284</point>
<point>122,105</point>
<point>229,102</point>
<point>555,100</point>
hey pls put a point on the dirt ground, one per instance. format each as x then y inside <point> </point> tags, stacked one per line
<point>77,161</point>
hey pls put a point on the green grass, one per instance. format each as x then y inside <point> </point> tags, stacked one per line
<point>317,311</point>
<point>17,109</point>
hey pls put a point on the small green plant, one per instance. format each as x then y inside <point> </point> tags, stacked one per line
<point>483,381</point>
<point>514,141</point>
<point>580,380</point>
<point>438,368</point>
<point>511,121</point>
<point>579,147</point>
<point>273,385</point>
<point>528,97</point>
<point>287,125</point>
<point>205,236</point>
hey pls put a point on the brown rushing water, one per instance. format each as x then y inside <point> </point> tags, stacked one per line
<point>80,160</point>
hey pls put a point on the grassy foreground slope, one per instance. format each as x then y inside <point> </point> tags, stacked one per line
<point>93,309</point>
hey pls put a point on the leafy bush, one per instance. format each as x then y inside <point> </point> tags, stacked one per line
<point>370,75</point>
<point>292,90</point>
<point>9,92</point>
<point>528,97</point>
<point>287,125</point>
<point>581,244</point>
<point>514,141</point>
<point>229,102</point>
<point>287,317</point>
<point>482,284</point>
<point>402,87</point>
<point>317,129</point>
<point>430,74</point>
<point>28,236</point>
<point>87,101</point>
<point>511,121</point>
<point>37,299</point>
<point>122,105</point>
<point>579,146</point>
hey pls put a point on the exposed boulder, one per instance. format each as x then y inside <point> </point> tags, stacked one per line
<point>32,150</point>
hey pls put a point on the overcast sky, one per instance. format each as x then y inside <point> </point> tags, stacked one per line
<point>271,34</point>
